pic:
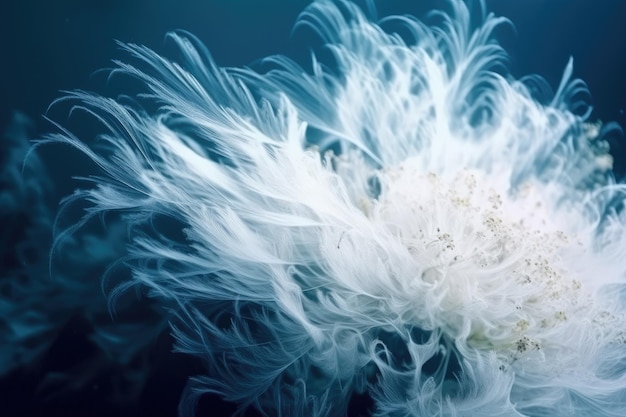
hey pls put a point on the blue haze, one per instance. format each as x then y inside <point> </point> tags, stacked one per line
<point>50,46</point>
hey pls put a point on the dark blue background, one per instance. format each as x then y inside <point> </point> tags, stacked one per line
<point>53,45</point>
<point>48,46</point>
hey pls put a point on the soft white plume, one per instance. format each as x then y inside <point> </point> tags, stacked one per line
<point>406,220</point>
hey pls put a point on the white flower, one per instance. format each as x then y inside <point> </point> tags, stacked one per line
<point>461,253</point>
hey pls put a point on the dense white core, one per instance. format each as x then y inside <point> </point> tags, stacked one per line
<point>488,264</point>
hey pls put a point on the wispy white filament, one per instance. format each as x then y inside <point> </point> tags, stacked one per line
<point>460,253</point>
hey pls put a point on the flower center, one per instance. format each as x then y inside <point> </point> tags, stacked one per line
<point>489,266</point>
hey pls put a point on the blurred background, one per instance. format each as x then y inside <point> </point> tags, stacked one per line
<point>56,359</point>
<point>52,46</point>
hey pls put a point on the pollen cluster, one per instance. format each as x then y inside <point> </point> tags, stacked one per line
<point>489,259</point>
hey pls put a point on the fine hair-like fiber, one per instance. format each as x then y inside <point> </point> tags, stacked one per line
<point>405,219</point>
